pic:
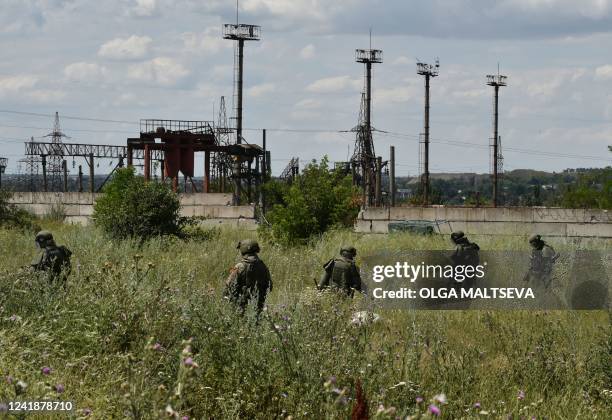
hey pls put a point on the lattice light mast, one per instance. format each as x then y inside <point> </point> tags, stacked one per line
<point>428,71</point>
<point>240,33</point>
<point>3,162</point>
<point>497,81</point>
<point>365,154</point>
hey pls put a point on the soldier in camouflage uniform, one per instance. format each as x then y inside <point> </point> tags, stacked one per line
<point>342,273</point>
<point>53,260</point>
<point>249,279</point>
<point>542,260</point>
<point>466,253</point>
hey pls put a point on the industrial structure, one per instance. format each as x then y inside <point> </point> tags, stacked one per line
<point>497,81</point>
<point>240,33</point>
<point>428,71</point>
<point>3,162</point>
<point>364,164</point>
<point>291,170</point>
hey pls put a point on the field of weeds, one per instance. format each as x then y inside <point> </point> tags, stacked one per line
<point>142,332</point>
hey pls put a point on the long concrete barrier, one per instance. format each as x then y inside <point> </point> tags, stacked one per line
<point>494,221</point>
<point>216,208</point>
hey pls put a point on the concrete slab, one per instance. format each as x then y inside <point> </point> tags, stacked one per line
<point>600,230</point>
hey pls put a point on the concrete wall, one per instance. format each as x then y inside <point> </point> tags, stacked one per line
<point>495,221</point>
<point>79,207</point>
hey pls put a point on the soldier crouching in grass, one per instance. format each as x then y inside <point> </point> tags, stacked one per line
<point>249,279</point>
<point>541,262</point>
<point>342,274</point>
<point>53,260</point>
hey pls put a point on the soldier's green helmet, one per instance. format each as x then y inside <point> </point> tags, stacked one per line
<point>455,236</point>
<point>348,249</point>
<point>248,246</point>
<point>43,236</point>
<point>535,239</point>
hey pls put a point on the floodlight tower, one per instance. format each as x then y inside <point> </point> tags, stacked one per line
<point>240,33</point>
<point>428,71</point>
<point>2,168</point>
<point>497,81</point>
<point>366,146</point>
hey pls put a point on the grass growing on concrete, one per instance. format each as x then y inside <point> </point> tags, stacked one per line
<point>141,332</point>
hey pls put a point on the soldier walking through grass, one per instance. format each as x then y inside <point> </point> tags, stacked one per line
<point>52,259</point>
<point>541,262</point>
<point>341,273</point>
<point>249,279</point>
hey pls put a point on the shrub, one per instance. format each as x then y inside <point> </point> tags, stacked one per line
<point>131,207</point>
<point>12,216</point>
<point>319,199</point>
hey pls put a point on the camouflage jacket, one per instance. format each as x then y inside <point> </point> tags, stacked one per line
<point>341,273</point>
<point>249,276</point>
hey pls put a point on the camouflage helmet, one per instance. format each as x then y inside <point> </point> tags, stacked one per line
<point>534,239</point>
<point>455,236</point>
<point>348,249</point>
<point>248,246</point>
<point>44,236</point>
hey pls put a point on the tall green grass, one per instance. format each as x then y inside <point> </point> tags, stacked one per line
<point>141,331</point>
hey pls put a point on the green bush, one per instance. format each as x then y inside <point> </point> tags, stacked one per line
<point>133,208</point>
<point>319,199</point>
<point>12,216</point>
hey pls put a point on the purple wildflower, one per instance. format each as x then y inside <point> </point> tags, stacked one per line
<point>87,411</point>
<point>419,400</point>
<point>59,388</point>
<point>157,347</point>
<point>477,404</point>
<point>46,370</point>
<point>433,409</point>
<point>188,361</point>
<point>3,408</point>
<point>521,395</point>
<point>185,418</point>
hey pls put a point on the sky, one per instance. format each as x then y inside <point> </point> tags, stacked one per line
<point>127,60</point>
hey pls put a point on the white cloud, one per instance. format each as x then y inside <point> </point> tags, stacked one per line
<point>87,72</point>
<point>261,90</point>
<point>334,84</point>
<point>207,42</point>
<point>164,71</point>
<point>604,72</point>
<point>45,96</point>
<point>144,8</point>
<point>131,48</point>
<point>308,103</point>
<point>307,52</point>
<point>13,84</point>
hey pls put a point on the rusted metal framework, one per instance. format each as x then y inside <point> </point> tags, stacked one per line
<point>497,81</point>
<point>179,141</point>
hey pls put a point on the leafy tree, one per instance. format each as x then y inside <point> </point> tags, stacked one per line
<point>593,190</point>
<point>316,201</point>
<point>131,207</point>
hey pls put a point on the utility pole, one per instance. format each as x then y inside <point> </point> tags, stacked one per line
<point>428,71</point>
<point>392,175</point>
<point>497,81</point>
<point>3,162</point>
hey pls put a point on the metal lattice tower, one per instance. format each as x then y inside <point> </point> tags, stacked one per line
<point>240,33</point>
<point>497,81</point>
<point>54,162</point>
<point>3,162</point>
<point>364,156</point>
<point>428,71</point>
<point>222,162</point>
<point>291,170</point>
